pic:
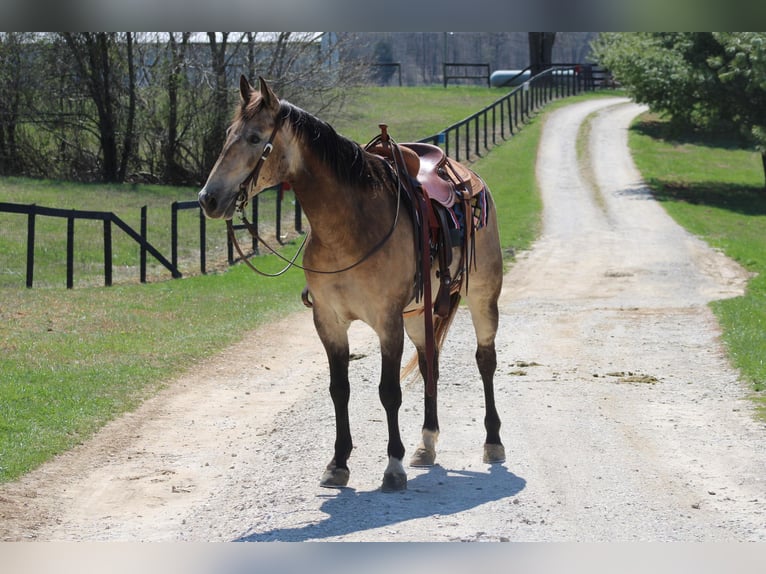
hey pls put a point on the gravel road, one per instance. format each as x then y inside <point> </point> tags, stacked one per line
<point>622,418</point>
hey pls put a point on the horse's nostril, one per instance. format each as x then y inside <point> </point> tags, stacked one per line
<point>207,201</point>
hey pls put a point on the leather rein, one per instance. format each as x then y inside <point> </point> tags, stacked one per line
<point>242,200</point>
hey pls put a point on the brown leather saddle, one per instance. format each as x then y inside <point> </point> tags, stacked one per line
<point>443,179</point>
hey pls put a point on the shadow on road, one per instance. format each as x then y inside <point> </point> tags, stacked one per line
<point>437,492</point>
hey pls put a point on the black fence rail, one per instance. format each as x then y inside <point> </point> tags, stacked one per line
<point>32,211</point>
<point>465,71</point>
<point>468,138</point>
<point>175,207</point>
<point>110,219</point>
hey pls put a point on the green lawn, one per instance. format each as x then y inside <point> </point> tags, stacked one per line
<point>410,113</point>
<point>716,191</point>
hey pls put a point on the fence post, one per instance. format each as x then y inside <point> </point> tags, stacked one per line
<point>30,246</point>
<point>174,234</point>
<point>143,246</point>
<point>476,136</point>
<point>279,214</point>
<point>70,252</point>
<point>467,141</point>
<point>108,251</point>
<point>254,241</point>
<point>494,125</point>
<point>203,242</point>
<point>298,217</point>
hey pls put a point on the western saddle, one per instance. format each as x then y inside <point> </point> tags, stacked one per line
<point>433,184</point>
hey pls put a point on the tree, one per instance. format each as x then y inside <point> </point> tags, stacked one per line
<point>742,73</point>
<point>172,171</point>
<point>702,79</point>
<point>11,79</point>
<point>221,109</point>
<point>95,55</point>
<point>383,54</point>
<point>540,50</point>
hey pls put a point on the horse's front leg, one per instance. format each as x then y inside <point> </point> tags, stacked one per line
<point>392,347</point>
<point>335,340</point>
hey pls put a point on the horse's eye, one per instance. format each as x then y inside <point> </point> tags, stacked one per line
<point>253,139</point>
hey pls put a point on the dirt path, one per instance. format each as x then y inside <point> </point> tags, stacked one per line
<point>622,418</point>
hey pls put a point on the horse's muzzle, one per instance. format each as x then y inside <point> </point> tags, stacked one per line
<point>207,202</point>
<point>213,207</point>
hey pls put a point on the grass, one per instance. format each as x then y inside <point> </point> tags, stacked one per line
<point>410,113</point>
<point>716,191</point>
<point>72,359</point>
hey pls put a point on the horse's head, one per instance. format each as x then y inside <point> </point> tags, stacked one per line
<point>249,141</point>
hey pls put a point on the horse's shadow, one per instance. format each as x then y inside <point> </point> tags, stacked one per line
<point>436,492</point>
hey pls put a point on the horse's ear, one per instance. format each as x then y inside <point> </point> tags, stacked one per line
<point>245,89</point>
<point>270,99</point>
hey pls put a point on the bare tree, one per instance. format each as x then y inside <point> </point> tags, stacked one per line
<point>96,59</point>
<point>170,150</point>
<point>11,79</point>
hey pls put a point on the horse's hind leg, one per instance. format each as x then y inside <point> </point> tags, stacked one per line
<point>390,391</point>
<point>484,315</point>
<point>425,454</point>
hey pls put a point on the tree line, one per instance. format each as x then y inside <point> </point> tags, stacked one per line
<point>153,107</point>
<point>117,107</point>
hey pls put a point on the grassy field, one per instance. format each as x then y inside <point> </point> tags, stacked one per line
<point>72,359</point>
<point>717,192</point>
<point>429,109</point>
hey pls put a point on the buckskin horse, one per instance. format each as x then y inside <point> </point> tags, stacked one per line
<point>371,254</point>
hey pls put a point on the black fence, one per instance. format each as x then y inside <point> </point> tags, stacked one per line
<point>110,219</point>
<point>71,215</point>
<point>470,137</point>
<point>395,67</point>
<point>463,71</point>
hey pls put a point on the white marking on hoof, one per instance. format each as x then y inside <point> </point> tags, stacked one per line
<point>494,453</point>
<point>394,478</point>
<point>425,455</point>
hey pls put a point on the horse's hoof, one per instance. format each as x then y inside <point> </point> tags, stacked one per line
<point>494,453</point>
<point>394,482</point>
<point>423,457</point>
<point>334,478</point>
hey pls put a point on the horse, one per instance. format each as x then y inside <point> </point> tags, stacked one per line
<point>360,260</point>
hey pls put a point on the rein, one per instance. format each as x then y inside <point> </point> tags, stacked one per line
<point>241,203</point>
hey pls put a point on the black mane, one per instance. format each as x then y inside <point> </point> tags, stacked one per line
<point>345,158</point>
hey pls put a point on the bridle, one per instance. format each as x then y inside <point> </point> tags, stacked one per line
<point>252,179</point>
